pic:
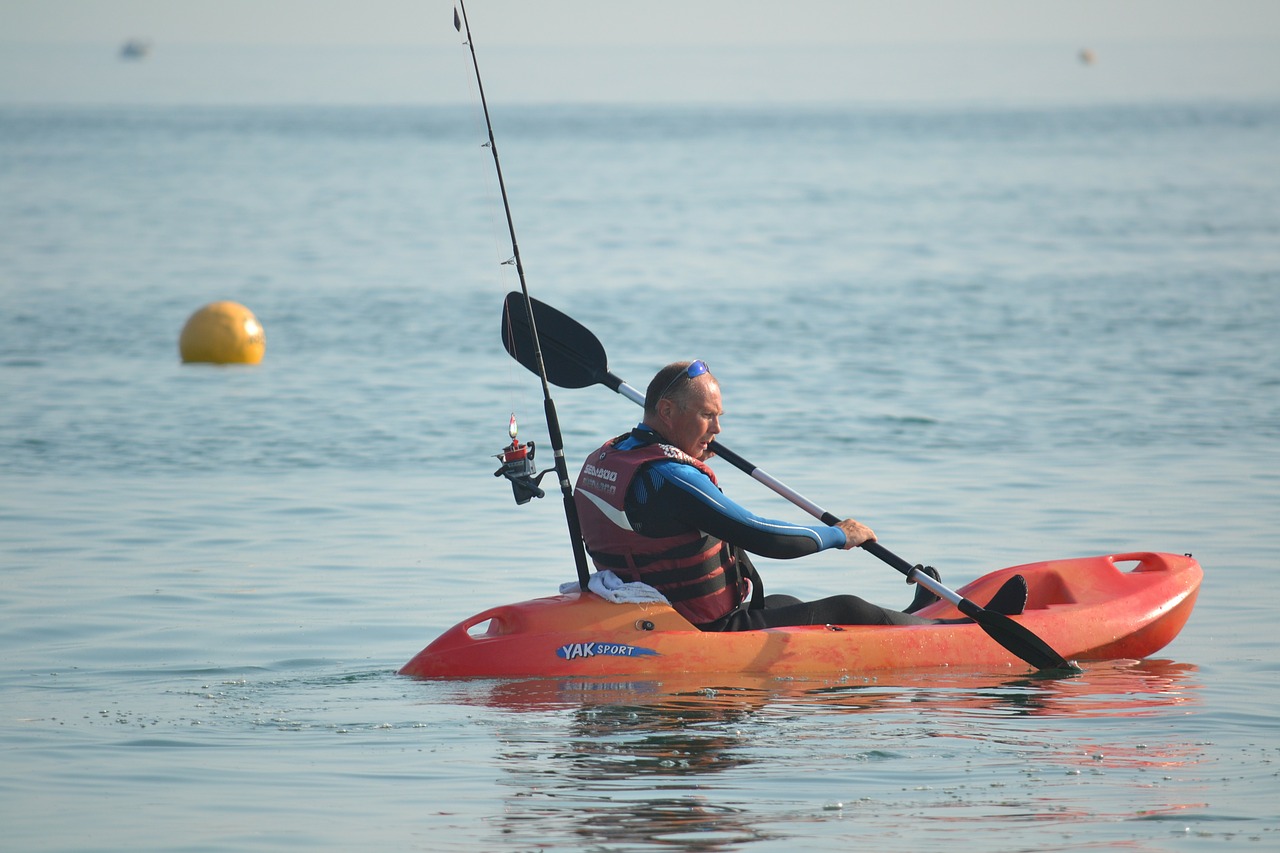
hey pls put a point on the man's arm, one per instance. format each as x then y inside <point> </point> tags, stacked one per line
<point>670,497</point>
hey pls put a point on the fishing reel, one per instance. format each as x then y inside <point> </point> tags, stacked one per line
<point>519,468</point>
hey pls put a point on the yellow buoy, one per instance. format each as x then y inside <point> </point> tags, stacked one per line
<point>223,333</point>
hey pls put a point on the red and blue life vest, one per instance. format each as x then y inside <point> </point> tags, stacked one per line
<point>694,570</point>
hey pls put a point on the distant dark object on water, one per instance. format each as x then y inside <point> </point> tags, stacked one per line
<point>135,49</point>
<point>1087,56</point>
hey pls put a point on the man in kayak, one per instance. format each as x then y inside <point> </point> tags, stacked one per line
<point>651,511</point>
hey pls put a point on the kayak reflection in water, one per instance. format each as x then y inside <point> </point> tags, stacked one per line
<point>651,511</point>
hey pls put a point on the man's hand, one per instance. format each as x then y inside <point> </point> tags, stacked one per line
<point>855,533</point>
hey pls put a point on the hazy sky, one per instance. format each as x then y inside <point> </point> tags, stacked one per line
<point>653,22</point>
<point>668,51</point>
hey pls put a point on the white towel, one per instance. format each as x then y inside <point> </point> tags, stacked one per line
<point>610,587</point>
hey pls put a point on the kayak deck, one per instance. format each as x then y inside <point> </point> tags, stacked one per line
<point>1090,608</point>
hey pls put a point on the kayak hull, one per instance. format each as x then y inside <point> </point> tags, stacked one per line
<point>1091,608</point>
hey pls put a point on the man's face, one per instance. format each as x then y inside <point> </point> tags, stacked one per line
<point>692,427</point>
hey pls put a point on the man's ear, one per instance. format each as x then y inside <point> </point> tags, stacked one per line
<point>666,408</point>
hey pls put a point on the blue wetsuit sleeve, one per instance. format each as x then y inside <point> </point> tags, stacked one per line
<point>670,497</point>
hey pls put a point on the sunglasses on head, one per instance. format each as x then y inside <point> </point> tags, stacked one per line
<point>694,370</point>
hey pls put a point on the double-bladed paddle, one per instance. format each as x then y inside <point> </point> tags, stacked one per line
<point>574,358</point>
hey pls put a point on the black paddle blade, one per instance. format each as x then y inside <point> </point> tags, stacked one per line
<point>572,356</point>
<point>1021,641</point>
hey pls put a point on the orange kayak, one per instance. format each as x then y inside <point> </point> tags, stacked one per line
<point>1090,608</point>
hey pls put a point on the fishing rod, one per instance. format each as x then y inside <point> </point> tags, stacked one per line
<point>517,466</point>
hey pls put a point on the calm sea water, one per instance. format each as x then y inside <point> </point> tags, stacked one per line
<point>995,335</point>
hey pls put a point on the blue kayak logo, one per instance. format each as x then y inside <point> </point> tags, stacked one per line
<point>574,651</point>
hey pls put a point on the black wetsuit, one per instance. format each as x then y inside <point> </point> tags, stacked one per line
<point>669,497</point>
